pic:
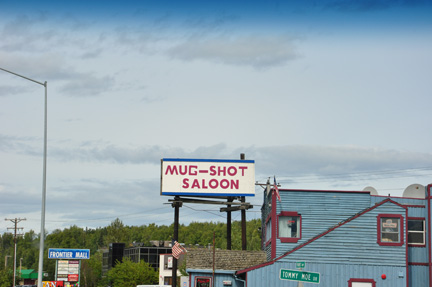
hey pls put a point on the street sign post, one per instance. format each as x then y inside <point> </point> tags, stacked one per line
<point>302,276</point>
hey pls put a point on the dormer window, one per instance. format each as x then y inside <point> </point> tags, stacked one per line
<point>289,227</point>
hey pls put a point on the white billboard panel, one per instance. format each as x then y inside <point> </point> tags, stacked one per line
<point>206,177</point>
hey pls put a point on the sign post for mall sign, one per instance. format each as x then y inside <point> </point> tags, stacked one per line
<point>206,177</point>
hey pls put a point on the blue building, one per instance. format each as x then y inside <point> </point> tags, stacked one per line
<point>344,238</point>
<point>207,269</point>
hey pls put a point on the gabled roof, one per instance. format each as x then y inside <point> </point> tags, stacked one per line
<point>322,234</point>
<point>224,259</point>
<point>29,274</point>
<point>27,271</point>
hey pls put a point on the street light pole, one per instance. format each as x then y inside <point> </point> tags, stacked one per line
<point>6,257</point>
<point>42,231</point>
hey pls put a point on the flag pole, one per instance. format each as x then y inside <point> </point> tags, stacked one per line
<point>176,205</point>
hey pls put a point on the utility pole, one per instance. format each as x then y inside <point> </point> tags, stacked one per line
<point>15,221</point>
<point>243,216</point>
<point>176,205</point>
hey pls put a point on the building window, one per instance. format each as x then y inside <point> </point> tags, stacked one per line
<point>289,227</point>
<point>390,227</point>
<point>268,230</point>
<point>416,232</point>
<point>360,282</point>
<point>203,282</point>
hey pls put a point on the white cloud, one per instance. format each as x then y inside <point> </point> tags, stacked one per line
<point>284,160</point>
<point>11,90</point>
<point>87,85</point>
<point>255,50</point>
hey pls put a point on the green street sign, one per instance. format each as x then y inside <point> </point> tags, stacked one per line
<point>303,276</point>
<point>300,264</point>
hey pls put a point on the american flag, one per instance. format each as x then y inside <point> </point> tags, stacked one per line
<point>177,250</point>
<point>276,190</point>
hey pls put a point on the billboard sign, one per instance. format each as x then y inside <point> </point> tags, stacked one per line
<point>207,177</point>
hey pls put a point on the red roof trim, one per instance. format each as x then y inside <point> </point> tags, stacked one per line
<point>314,190</point>
<point>415,205</point>
<point>321,235</point>
<point>405,197</point>
<point>418,264</point>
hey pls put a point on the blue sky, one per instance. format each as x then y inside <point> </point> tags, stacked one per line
<point>321,94</point>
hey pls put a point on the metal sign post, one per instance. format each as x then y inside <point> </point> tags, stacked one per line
<point>300,266</point>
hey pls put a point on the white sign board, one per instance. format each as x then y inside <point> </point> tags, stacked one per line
<point>206,177</point>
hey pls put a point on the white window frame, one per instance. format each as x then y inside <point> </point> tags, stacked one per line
<point>416,244</point>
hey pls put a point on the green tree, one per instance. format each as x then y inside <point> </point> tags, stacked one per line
<point>91,270</point>
<point>128,273</point>
<point>117,233</point>
<point>6,278</point>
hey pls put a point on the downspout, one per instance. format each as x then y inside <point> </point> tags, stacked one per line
<point>406,247</point>
<point>428,192</point>
<point>241,280</point>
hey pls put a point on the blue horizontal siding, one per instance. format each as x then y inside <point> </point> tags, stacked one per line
<point>354,243</point>
<point>417,212</point>
<point>319,210</point>
<point>331,275</point>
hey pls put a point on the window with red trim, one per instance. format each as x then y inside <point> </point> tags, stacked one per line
<point>268,230</point>
<point>360,282</point>
<point>203,282</point>
<point>390,230</point>
<point>289,227</point>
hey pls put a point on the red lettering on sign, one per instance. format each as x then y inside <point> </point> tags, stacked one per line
<point>192,170</point>
<point>232,170</point>
<point>222,169</point>
<point>195,184</point>
<point>242,168</point>
<point>212,184</point>
<point>184,170</point>
<point>171,170</point>
<point>212,170</point>
<point>185,183</point>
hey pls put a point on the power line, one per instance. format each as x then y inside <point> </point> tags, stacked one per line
<point>361,175</point>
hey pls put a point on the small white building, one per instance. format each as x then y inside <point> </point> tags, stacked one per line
<point>165,269</point>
